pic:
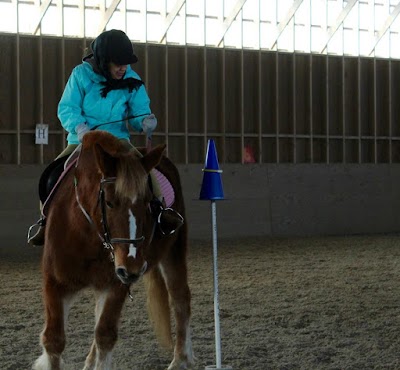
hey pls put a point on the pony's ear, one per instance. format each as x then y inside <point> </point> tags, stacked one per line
<point>104,160</point>
<point>153,158</point>
<point>106,148</point>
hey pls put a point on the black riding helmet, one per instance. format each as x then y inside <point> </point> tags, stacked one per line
<point>112,46</point>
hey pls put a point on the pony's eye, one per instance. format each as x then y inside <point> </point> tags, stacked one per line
<point>109,204</point>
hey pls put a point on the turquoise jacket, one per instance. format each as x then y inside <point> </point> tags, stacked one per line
<point>81,102</point>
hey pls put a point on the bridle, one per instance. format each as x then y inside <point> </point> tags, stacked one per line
<point>108,240</point>
<point>104,237</point>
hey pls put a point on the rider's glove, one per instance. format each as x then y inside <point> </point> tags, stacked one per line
<point>149,124</point>
<point>81,130</point>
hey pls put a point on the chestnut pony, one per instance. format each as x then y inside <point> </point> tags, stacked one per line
<point>102,234</point>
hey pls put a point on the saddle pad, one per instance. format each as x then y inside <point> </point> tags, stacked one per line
<point>166,188</point>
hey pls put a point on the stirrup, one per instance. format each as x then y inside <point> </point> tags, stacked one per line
<point>176,219</point>
<point>36,226</point>
<point>160,213</point>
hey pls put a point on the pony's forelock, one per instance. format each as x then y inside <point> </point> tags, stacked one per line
<point>131,179</point>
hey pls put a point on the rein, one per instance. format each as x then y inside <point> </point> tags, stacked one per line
<point>118,120</point>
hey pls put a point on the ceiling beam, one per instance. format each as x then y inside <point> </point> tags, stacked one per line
<point>107,15</point>
<point>170,18</point>
<point>339,20</point>
<point>42,12</point>
<point>283,24</point>
<point>229,20</point>
<point>390,19</point>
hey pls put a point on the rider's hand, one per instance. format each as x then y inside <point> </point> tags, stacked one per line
<point>149,124</point>
<point>81,130</point>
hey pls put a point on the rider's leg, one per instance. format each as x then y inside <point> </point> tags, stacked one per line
<point>38,238</point>
<point>67,151</point>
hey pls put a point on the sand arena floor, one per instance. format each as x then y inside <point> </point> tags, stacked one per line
<point>307,303</point>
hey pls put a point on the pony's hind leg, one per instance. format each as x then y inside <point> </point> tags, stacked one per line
<point>57,306</point>
<point>109,305</point>
<point>91,357</point>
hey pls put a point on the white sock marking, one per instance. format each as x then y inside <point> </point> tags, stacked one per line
<point>67,304</point>
<point>100,302</point>
<point>188,344</point>
<point>43,362</point>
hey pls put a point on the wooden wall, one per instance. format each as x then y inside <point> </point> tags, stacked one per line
<point>288,107</point>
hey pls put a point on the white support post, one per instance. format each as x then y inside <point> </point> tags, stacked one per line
<point>216,292</point>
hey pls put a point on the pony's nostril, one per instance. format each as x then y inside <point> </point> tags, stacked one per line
<point>125,277</point>
<point>121,272</point>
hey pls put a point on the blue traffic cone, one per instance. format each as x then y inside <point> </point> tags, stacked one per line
<point>211,188</point>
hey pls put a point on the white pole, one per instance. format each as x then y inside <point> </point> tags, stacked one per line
<point>216,298</point>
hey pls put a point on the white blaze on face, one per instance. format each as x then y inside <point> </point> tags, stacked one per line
<point>132,234</point>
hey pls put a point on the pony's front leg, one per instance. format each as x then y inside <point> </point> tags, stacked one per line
<point>57,305</point>
<point>175,275</point>
<point>109,305</point>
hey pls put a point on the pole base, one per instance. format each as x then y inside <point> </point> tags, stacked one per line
<point>214,367</point>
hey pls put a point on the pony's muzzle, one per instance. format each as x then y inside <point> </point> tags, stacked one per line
<point>125,276</point>
<point>128,278</point>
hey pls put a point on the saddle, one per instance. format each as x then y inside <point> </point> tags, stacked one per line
<point>49,177</point>
<point>52,177</point>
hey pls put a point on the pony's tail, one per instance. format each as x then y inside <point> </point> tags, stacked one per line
<point>158,306</point>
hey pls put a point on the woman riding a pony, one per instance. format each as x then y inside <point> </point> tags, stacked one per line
<point>103,92</point>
